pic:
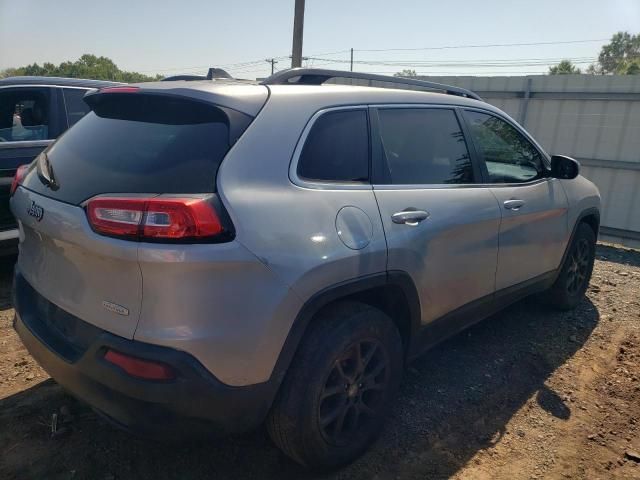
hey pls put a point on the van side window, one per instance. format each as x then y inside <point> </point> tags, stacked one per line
<point>337,148</point>
<point>24,115</point>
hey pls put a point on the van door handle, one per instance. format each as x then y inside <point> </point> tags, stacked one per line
<point>513,204</point>
<point>409,217</point>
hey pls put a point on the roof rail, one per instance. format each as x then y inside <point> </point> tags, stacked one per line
<point>317,76</point>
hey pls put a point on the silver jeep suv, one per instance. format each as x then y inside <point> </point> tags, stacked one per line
<point>217,254</point>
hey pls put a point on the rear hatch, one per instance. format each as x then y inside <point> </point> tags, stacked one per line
<point>138,149</point>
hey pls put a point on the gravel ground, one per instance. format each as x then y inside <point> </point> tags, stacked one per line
<point>528,393</point>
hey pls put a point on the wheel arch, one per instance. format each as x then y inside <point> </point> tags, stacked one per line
<point>590,216</point>
<point>393,292</point>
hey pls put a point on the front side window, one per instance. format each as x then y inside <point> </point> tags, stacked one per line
<point>75,105</point>
<point>24,115</point>
<point>424,146</point>
<point>337,148</point>
<point>508,155</point>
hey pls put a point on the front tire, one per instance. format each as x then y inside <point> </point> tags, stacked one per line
<point>333,401</point>
<point>573,280</point>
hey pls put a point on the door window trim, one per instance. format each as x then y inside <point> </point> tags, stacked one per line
<point>378,159</point>
<point>320,184</point>
<point>480,161</point>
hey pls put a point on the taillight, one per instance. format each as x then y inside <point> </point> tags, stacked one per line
<point>21,172</point>
<point>139,368</point>
<point>159,218</point>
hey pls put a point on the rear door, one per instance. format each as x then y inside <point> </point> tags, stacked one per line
<point>534,230</point>
<point>441,226</point>
<point>130,145</point>
<point>28,124</point>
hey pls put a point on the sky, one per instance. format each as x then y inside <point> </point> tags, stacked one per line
<point>188,36</point>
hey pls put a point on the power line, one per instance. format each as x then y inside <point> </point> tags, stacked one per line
<point>488,45</point>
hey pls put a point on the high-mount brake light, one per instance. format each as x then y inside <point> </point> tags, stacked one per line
<point>119,90</point>
<point>159,218</point>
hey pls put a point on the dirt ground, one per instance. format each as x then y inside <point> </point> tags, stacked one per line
<point>529,393</point>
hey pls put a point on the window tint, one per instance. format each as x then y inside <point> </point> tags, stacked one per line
<point>509,156</point>
<point>424,146</point>
<point>337,148</point>
<point>76,107</point>
<point>24,115</point>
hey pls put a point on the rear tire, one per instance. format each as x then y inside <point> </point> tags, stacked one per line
<point>333,401</point>
<point>573,280</point>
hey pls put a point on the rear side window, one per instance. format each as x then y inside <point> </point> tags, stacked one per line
<point>134,143</point>
<point>337,148</point>
<point>424,146</point>
<point>75,105</point>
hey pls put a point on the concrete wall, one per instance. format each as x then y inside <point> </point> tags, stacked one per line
<point>595,119</point>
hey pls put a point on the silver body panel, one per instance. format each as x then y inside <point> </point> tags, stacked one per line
<point>73,267</point>
<point>451,256</point>
<point>232,305</point>
<point>533,237</point>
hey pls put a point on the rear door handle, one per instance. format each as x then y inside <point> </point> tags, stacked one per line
<point>409,217</point>
<point>513,204</point>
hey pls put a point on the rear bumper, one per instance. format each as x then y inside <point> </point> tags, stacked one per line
<point>72,352</point>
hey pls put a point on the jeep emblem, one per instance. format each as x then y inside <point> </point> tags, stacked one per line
<point>36,211</point>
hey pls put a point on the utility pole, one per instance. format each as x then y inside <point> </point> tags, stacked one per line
<point>298,25</point>
<point>352,59</point>
<point>272,61</point>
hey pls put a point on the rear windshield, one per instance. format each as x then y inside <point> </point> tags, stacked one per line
<point>132,143</point>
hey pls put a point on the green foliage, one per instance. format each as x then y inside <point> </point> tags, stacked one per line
<point>87,66</point>
<point>620,54</point>
<point>563,68</point>
<point>406,73</point>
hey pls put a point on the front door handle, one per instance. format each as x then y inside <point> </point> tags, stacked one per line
<point>513,204</point>
<point>409,217</point>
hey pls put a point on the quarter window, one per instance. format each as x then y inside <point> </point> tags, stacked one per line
<point>76,107</point>
<point>337,148</point>
<point>508,155</point>
<point>424,146</point>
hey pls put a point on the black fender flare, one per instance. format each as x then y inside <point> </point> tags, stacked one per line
<point>584,214</point>
<point>335,292</point>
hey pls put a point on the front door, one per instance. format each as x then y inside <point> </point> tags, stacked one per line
<point>441,226</point>
<point>533,231</point>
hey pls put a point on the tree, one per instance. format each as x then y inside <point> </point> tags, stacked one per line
<point>406,73</point>
<point>563,68</point>
<point>620,53</point>
<point>87,66</point>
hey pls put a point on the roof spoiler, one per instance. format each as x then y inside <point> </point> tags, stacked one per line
<point>211,74</point>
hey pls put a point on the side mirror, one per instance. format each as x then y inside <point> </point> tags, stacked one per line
<point>563,167</point>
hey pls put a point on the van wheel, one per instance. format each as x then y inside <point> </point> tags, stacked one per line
<point>571,284</point>
<point>333,401</point>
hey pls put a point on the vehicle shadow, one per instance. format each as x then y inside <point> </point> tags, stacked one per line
<point>615,254</point>
<point>455,401</point>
